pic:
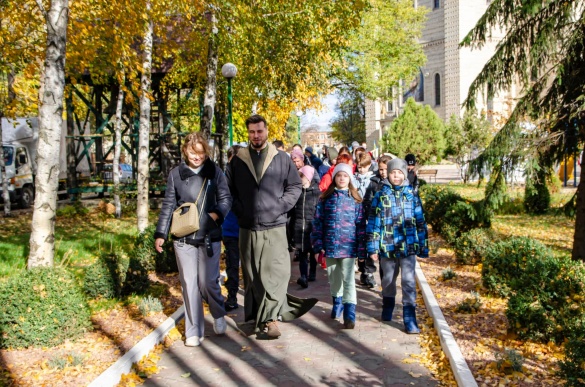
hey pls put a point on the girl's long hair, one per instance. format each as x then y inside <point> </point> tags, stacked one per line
<point>352,191</point>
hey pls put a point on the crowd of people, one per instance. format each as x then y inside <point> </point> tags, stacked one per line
<point>344,210</point>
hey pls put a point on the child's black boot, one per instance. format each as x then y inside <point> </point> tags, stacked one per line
<point>303,282</point>
<point>388,308</point>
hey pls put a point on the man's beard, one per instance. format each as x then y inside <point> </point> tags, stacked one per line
<point>260,146</point>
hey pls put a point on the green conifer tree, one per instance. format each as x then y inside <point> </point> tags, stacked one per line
<point>418,130</point>
<point>543,52</point>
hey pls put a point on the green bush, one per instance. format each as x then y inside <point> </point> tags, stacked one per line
<point>447,274</point>
<point>105,277</point>
<point>149,305</point>
<point>450,214</point>
<point>114,274</point>
<point>572,369</point>
<point>547,303</point>
<point>470,304</point>
<point>144,252</point>
<point>144,248</point>
<point>509,361</point>
<point>42,307</point>
<point>136,280</point>
<point>72,210</point>
<point>506,260</point>
<point>437,200</point>
<point>511,206</point>
<point>65,359</point>
<point>536,194</point>
<point>471,246</point>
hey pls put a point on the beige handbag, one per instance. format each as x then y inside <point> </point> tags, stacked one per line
<point>186,221</point>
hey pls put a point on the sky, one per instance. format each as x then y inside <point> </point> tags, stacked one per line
<point>323,118</point>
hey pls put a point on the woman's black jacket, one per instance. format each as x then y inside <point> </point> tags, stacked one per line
<point>183,185</point>
<point>301,217</point>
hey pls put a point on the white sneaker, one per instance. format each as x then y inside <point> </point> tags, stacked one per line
<point>194,341</point>
<point>219,326</point>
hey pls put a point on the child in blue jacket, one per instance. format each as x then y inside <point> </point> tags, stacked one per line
<point>339,231</point>
<point>396,233</point>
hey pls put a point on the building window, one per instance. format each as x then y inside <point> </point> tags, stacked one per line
<point>437,90</point>
<point>436,4</point>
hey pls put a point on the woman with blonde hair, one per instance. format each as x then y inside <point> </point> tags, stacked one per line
<point>197,180</point>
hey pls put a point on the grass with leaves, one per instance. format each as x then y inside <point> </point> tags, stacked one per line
<point>78,239</point>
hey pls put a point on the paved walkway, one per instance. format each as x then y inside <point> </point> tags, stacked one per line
<point>313,350</point>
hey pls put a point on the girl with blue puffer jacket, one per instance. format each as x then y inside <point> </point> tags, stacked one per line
<point>339,231</point>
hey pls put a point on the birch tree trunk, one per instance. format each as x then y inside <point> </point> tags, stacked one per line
<point>42,238</point>
<point>211,86</point>
<point>144,128</point>
<point>117,150</point>
<point>3,176</point>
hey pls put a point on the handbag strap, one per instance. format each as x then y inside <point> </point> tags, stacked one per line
<point>204,198</point>
<point>201,190</point>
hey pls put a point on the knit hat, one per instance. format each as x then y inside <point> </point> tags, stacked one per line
<point>410,159</point>
<point>309,149</point>
<point>342,167</point>
<point>397,164</point>
<point>355,145</point>
<point>332,153</point>
<point>297,154</point>
<point>308,171</point>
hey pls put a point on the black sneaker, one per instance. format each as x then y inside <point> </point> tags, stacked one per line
<point>311,277</point>
<point>303,282</point>
<point>370,281</point>
<point>363,279</point>
<point>231,303</point>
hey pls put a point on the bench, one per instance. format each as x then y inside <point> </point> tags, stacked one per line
<point>423,173</point>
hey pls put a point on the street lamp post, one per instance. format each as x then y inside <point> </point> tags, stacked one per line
<point>229,71</point>
<point>299,114</point>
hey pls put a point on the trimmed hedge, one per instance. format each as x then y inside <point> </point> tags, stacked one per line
<point>507,260</point>
<point>547,299</point>
<point>572,369</point>
<point>42,307</point>
<point>471,246</point>
<point>101,280</point>
<point>115,274</point>
<point>144,252</point>
<point>450,214</point>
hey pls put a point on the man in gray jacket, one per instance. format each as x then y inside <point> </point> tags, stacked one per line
<point>265,185</point>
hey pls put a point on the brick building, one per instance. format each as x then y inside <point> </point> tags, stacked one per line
<point>316,138</point>
<point>443,82</point>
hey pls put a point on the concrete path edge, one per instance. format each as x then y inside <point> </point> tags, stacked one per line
<point>461,370</point>
<point>112,376</point>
